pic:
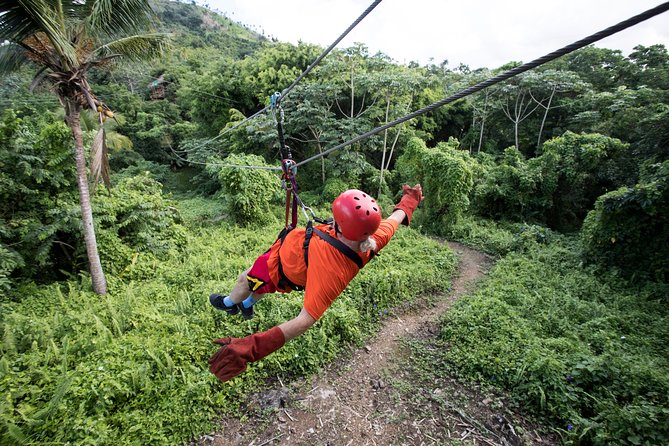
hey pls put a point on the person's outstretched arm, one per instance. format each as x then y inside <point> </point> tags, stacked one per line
<point>235,353</point>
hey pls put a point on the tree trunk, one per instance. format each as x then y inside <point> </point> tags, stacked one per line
<point>97,275</point>
<point>543,121</point>
<point>352,91</point>
<point>317,137</point>
<point>385,144</point>
<point>485,107</point>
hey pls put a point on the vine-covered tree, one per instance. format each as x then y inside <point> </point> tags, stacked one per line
<point>64,39</point>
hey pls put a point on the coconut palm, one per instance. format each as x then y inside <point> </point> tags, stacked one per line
<point>64,39</point>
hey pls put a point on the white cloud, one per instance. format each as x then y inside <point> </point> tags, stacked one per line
<point>479,33</point>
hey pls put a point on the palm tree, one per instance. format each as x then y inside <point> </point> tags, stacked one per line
<point>64,39</point>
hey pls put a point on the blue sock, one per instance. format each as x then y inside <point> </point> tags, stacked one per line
<point>249,302</point>
<point>228,302</point>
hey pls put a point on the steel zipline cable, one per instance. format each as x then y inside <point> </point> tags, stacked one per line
<point>288,89</point>
<point>503,76</point>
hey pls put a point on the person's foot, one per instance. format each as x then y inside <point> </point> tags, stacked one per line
<point>217,302</point>
<point>246,312</point>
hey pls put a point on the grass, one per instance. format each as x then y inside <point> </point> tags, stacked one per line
<point>582,350</point>
<point>131,367</point>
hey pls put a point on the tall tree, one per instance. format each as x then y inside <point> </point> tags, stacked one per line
<point>65,39</point>
<point>518,105</point>
<point>548,84</point>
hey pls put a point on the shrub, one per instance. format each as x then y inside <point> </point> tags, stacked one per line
<point>136,218</point>
<point>446,177</point>
<point>333,187</point>
<point>628,228</point>
<point>247,193</point>
<point>512,189</point>
<point>583,168</point>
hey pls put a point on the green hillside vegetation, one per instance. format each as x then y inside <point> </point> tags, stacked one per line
<point>562,173</point>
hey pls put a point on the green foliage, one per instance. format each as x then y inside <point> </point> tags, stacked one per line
<point>37,191</point>
<point>133,219</point>
<point>501,238</point>
<point>9,261</point>
<point>446,177</point>
<point>333,187</point>
<point>629,228</point>
<point>587,167</point>
<point>556,188</point>
<point>131,367</point>
<point>141,167</point>
<point>247,193</point>
<point>155,129</point>
<point>513,188</point>
<point>580,349</point>
<point>352,169</point>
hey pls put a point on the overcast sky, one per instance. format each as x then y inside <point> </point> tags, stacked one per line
<point>479,33</point>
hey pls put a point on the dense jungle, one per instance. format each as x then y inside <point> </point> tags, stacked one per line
<point>124,207</point>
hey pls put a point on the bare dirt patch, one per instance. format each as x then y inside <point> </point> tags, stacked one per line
<point>371,398</point>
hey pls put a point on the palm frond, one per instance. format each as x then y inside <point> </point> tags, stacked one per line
<point>116,17</point>
<point>21,19</point>
<point>12,57</point>
<point>100,160</point>
<point>89,120</point>
<point>138,47</point>
<point>117,142</point>
<point>40,76</point>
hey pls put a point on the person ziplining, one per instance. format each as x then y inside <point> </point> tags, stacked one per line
<point>322,263</point>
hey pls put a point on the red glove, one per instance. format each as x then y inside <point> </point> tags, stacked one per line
<point>411,197</point>
<point>230,360</point>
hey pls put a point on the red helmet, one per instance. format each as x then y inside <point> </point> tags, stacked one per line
<point>357,214</point>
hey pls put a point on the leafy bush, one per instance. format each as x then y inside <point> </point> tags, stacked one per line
<point>628,228</point>
<point>247,193</point>
<point>486,235</point>
<point>501,238</point>
<point>9,261</point>
<point>446,177</point>
<point>158,172</point>
<point>333,187</point>
<point>351,168</point>
<point>584,167</point>
<point>512,188</point>
<point>558,187</point>
<point>136,218</point>
<point>38,195</point>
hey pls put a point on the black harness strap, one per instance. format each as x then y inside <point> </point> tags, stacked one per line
<point>341,247</point>
<point>284,282</point>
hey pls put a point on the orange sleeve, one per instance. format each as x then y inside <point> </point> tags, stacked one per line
<point>385,232</point>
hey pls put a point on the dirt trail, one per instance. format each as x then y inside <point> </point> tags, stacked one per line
<point>355,401</point>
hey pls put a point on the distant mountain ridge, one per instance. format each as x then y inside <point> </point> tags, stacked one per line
<point>199,27</point>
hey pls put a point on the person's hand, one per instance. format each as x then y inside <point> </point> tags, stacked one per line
<point>411,198</point>
<point>231,359</point>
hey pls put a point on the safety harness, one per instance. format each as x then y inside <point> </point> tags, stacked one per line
<point>284,282</point>
<point>289,170</point>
